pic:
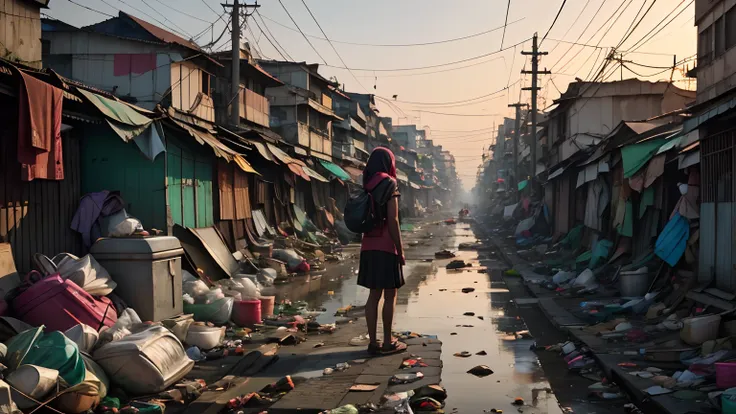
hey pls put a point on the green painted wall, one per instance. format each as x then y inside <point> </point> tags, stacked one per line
<point>108,163</point>
<point>190,175</point>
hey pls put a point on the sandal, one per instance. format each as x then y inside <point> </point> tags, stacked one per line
<point>393,348</point>
<point>374,348</point>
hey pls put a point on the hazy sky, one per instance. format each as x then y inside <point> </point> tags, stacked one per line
<point>381,22</point>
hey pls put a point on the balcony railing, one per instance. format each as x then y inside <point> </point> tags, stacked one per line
<point>254,107</point>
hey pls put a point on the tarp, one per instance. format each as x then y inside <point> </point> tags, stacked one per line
<point>355,173</point>
<point>671,243</point>
<point>627,228</point>
<point>335,170</point>
<point>635,156</point>
<point>522,185</point>
<point>689,159</point>
<point>591,171</point>
<point>129,124</point>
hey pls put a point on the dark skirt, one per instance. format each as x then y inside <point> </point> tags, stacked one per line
<point>380,270</point>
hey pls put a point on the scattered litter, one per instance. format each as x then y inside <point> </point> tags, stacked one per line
<point>413,363</point>
<point>457,264</point>
<point>657,390</point>
<point>481,353</point>
<point>481,371</point>
<point>406,378</point>
<point>480,317</point>
<point>512,272</point>
<point>444,254</point>
<point>518,401</point>
<point>453,333</point>
<point>364,387</point>
<point>469,313</point>
<point>468,290</point>
<point>464,354</point>
<point>319,344</point>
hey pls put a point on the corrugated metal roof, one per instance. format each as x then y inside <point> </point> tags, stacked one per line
<point>161,34</point>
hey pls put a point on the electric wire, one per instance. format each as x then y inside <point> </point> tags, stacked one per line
<point>300,31</point>
<point>432,66</point>
<point>400,44</point>
<point>562,6</point>
<point>90,8</point>
<point>505,23</point>
<point>275,40</point>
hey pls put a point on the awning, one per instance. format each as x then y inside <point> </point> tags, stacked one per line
<point>314,174</point>
<point>323,109</point>
<point>689,159</point>
<point>220,149</point>
<point>556,173</point>
<point>671,144</point>
<point>335,170</point>
<point>715,110</point>
<point>243,164</point>
<point>637,155</point>
<point>296,169</point>
<point>355,173</point>
<point>265,153</point>
<point>591,171</point>
<point>401,176</point>
<point>301,151</point>
<point>129,124</point>
<point>280,155</point>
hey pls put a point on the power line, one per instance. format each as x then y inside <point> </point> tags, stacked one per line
<point>399,44</point>
<point>505,22</point>
<point>275,40</point>
<point>333,46</point>
<point>90,8</point>
<point>182,12</point>
<point>431,66</point>
<point>300,31</point>
<point>581,34</point>
<point>214,11</point>
<point>638,23</point>
<point>562,6</point>
<point>447,114</point>
<point>455,102</point>
<point>587,2</point>
<point>634,47</point>
<point>439,71</point>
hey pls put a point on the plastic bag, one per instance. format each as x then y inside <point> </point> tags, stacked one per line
<point>233,294</point>
<point>213,295</point>
<point>122,328</point>
<point>267,276</point>
<point>248,290</point>
<point>196,289</point>
<point>121,224</point>
<point>85,272</point>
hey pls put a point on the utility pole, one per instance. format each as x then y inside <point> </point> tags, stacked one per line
<point>235,79</point>
<point>517,133</point>
<point>535,72</point>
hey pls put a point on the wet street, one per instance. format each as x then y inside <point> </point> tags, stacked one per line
<point>432,302</point>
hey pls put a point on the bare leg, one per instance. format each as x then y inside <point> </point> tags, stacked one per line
<point>389,303</point>
<point>371,313</point>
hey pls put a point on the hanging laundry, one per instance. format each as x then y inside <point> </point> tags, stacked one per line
<point>39,129</point>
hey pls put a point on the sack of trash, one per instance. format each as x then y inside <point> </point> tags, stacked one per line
<point>244,286</point>
<point>84,271</point>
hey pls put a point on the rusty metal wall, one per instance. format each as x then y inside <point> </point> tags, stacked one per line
<point>718,210</point>
<point>35,216</point>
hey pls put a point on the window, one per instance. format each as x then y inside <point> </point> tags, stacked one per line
<point>720,37</point>
<point>730,29</point>
<point>205,83</point>
<point>705,46</point>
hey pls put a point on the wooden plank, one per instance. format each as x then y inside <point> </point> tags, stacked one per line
<point>711,301</point>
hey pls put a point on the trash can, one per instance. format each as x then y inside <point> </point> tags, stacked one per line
<point>147,271</point>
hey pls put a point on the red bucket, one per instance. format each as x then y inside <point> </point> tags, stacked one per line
<point>246,312</point>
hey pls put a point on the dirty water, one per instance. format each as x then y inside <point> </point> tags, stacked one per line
<point>423,307</point>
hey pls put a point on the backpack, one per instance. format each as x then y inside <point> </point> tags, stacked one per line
<point>360,213</point>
